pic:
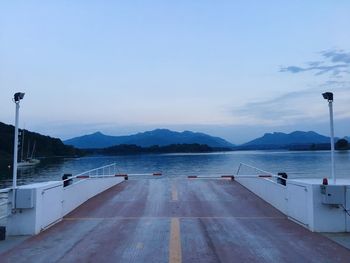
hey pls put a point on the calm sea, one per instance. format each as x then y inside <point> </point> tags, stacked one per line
<point>295,164</point>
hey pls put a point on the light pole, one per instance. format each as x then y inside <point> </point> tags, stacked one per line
<point>329,97</point>
<point>17,98</point>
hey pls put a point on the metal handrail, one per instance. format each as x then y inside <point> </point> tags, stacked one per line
<point>260,170</point>
<point>5,190</point>
<point>5,203</point>
<point>289,180</point>
<point>96,172</point>
<point>103,171</point>
<point>255,168</point>
<point>6,213</point>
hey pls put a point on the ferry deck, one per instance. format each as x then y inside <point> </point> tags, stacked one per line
<point>176,220</point>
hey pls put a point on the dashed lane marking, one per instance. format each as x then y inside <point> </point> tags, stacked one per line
<point>175,242</point>
<point>139,245</point>
<point>174,196</point>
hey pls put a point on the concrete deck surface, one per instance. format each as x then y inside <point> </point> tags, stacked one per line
<point>177,220</point>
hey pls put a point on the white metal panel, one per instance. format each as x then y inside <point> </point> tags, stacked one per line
<point>270,191</point>
<point>297,203</point>
<point>51,206</point>
<point>25,198</point>
<point>333,194</point>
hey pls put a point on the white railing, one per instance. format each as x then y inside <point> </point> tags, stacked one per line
<point>263,173</point>
<point>103,171</point>
<point>4,202</point>
<point>110,169</point>
<point>254,168</point>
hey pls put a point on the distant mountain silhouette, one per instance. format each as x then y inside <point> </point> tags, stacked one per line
<point>283,140</point>
<point>161,137</point>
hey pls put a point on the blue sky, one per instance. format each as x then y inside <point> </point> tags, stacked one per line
<point>235,69</point>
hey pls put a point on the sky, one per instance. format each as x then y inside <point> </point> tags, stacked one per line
<point>235,69</point>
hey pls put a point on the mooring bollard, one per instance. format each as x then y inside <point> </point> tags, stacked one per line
<point>280,180</point>
<point>65,181</point>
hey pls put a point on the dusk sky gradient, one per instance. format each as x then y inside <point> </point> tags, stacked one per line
<point>234,69</point>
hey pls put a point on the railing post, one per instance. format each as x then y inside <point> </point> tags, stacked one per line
<point>239,168</point>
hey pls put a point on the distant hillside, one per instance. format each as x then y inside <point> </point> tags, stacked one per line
<point>160,137</point>
<point>279,140</point>
<point>45,146</point>
<point>173,148</point>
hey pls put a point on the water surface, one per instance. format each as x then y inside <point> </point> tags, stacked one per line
<point>295,164</point>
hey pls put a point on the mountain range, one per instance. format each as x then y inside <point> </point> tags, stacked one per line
<point>164,137</point>
<point>160,137</point>
<point>284,139</point>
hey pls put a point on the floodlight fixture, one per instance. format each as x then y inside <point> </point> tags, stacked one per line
<point>18,96</point>
<point>328,96</point>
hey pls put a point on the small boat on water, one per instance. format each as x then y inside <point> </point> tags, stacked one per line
<point>30,160</point>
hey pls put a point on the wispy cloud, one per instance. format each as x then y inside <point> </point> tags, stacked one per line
<point>306,105</point>
<point>335,62</point>
<point>295,107</point>
<point>337,56</point>
<point>275,111</point>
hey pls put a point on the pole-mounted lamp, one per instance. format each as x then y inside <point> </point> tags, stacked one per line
<point>16,99</point>
<point>329,97</point>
